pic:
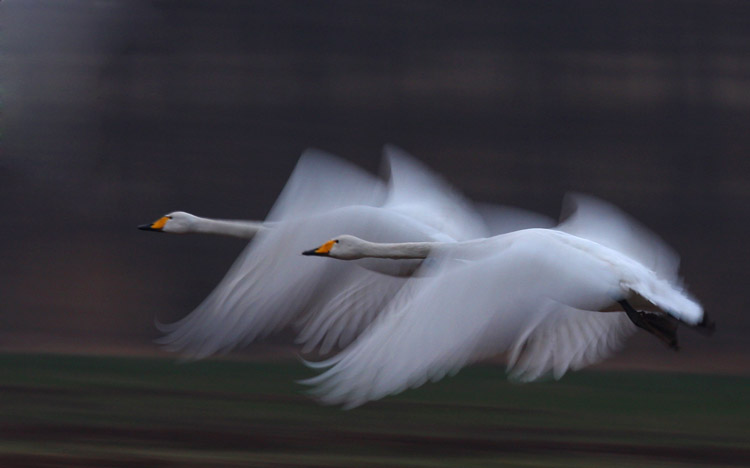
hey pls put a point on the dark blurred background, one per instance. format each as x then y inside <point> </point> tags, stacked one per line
<point>116,112</point>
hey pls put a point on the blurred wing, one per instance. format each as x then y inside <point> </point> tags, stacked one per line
<point>567,338</point>
<point>322,182</point>
<point>268,285</point>
<point>424,196</point>
<point>363,295</point>
<point>437,325</point>
<point>270,282</point>
<point>431,205</point>
<point>607,225</point>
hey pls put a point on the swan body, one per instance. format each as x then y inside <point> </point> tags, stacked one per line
<point>542,248</point>
<point>179,222</point>
<point>534,294</point>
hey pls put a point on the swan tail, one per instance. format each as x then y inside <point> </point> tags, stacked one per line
<point>668,298</point>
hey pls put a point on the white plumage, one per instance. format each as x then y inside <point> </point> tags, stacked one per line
<point>439,283</point>
<point>537,294</point>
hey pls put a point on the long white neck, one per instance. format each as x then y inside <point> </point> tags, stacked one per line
<point>404,250</point>
<point>225,227</point>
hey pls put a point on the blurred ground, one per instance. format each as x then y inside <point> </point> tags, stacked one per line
<point>64,411</point>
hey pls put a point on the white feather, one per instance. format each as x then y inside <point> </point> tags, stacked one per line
<point>531,293</point>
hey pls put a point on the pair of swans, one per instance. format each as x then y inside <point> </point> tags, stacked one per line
<point>536,294</point>
<point>271,286</point>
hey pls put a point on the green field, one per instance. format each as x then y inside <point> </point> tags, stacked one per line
<point>117,412</point>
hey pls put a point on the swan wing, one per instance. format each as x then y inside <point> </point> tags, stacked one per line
<point>419,193</point>
<point>349,312</point>
<point>438,324</point>
<point>321,182</point>
<point>607,225</point>
<point>566,338</point>
<point>263,291</point>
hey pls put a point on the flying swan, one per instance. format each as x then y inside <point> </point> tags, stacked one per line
<point>270,286</point>
<point>536,294</point>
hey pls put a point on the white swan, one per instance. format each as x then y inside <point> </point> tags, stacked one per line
<point>180,222</point>
<point>535,294</point>
<point>271,286</point>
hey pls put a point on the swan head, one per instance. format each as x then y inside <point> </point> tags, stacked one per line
<point>344,247</point>
<point>177,222</point>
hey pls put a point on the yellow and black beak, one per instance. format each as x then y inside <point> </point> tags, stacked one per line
<point>157,225</point>
<point>322,251</point>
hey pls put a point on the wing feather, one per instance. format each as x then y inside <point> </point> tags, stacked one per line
<point>579,337</point>
<point>609,226</point>
<point>423,195</point>
<point>321,182</point>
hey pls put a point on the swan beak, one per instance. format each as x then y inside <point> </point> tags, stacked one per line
<point>157,225</point>
<point>322,251</point>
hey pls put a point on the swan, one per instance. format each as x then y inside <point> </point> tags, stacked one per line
<point>180,222</point>
<point>270,286</point>
<point>536,294</point>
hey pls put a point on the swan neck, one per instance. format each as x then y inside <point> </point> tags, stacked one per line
<point>406,250</point>
<point>231,228</point>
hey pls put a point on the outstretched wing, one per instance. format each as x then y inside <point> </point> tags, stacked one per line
<point>419,193</point>
<point>322,182</point>
<point>266,288</point>
<point>341,319</point>
<point>566,338</point>
<point>609,226</point>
